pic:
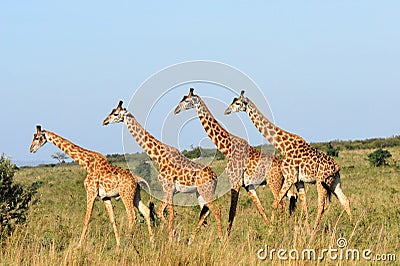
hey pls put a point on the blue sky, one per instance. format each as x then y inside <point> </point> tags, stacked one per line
<point>329,69</point>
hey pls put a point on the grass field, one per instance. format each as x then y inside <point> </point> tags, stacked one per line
<point>51,234</point>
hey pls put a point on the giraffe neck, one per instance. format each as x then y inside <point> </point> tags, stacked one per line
<point>146,141</point>
<point>80,155</point>
<point>283,141</point>
<point>219,135</point>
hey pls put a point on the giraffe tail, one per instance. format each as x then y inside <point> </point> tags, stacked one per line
<point>151,204</point>
<point>292,201</point>
<point>328,189</point>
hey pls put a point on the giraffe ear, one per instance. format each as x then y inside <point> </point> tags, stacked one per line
<point>38,129</point>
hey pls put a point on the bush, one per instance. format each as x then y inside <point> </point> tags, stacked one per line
<point>192,154</point>
<point>199,152</point>
<point>143,169</point>
<point>14,198</point>
<point>334,152</point>
<point>378,157</point>
<point>219,156</point>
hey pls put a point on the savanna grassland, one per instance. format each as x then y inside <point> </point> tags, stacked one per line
<point>51,233</point>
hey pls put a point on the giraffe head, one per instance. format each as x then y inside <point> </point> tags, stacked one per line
<point>39,139</point>
<point>238,104</point>
<point>188,101</point>
<point>117,115</point>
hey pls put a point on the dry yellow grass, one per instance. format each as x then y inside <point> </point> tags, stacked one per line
<point>54,224</point>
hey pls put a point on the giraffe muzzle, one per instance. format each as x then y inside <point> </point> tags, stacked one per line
<point>177,110</point>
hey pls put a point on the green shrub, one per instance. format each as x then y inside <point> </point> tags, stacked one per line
<point>193,153</point>
<point>199,152</point>
<point>143,169</point>
<point>219,156</point>
<point>14,198</point>
<point>379,157</point>
<point>334,152</point>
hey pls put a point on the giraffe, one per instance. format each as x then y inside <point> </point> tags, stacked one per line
<point>103,180</point>
<point>246,167</point>
<point>176,174</point>
<point>301,163</point>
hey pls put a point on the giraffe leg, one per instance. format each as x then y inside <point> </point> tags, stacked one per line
<point>290,174</point>
<point>91,196</point>
<point>207,206</point>
<point>170,208</point>
<point>145,211</point>
<point>204,210</point>
<point>322,197</point>
<point>160,211</point>
<point>275,191</point>
<point>169,190</point>
<point>109,208</point>
<point>216,210</point>
<point>274,179</point>
<point>285,187</point>
<point>232,211</point>
<point>126,194</point>
<point>253,195</point>
<point>302,196</point>
<point>337,191</point>
<point>343,200</point>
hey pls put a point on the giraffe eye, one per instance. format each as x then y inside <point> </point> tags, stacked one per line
<point>115,114</point>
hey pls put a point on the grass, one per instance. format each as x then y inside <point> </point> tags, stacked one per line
<point>54,224</point>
